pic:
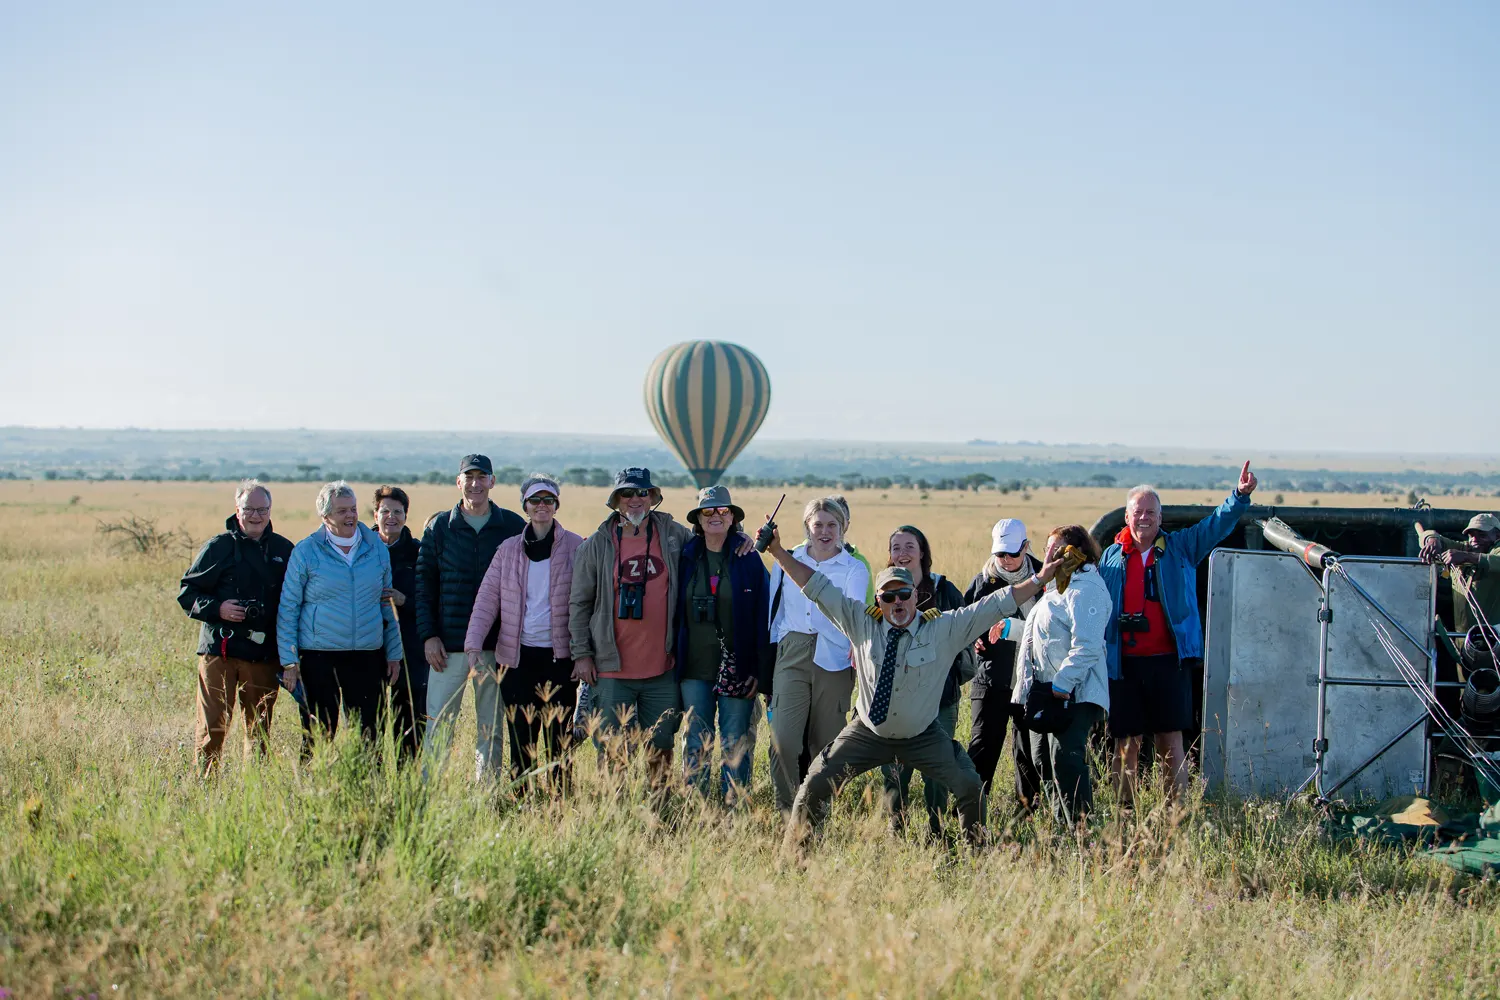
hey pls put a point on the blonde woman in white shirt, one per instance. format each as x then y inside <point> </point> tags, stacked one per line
<point>1062,678</point>
<point>812,682</point>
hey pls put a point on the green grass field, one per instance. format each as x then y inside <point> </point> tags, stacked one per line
<point>122,874</point>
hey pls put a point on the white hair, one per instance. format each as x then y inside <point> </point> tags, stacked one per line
<point>331,492</point>
<point>1142,490</point>
<point>247,487</point>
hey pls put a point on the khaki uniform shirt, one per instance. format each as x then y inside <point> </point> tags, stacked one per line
<point>923,656</point>
<point>1481,580</point>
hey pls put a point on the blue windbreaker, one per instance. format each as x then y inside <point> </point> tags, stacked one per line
<point>330,604</point>
<point>1177,557</point>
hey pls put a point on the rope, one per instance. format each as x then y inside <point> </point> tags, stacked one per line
<point>1450,726</point>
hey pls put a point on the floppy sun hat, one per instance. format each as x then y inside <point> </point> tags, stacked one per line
<point>633,478</point>
<point>715,496</point>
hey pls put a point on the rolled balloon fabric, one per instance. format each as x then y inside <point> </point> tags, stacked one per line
<point>707,398</point>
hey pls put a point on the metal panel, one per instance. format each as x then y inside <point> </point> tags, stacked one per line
<point>1261,667</point>
<point>1259,672</point>
<point>1360,720</point>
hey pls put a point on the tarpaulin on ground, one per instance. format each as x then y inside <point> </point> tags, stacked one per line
<point>1469,842</point>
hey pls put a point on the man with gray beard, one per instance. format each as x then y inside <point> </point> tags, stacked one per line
<point>621,615</point>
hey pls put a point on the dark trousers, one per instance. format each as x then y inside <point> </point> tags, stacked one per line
<point>1062,760</point>
<point>409,709</point>
<point>859,749</point>
<point>539,697</point>
<point>991,712</point>
<point>897,781</point>
<point>351,680</point>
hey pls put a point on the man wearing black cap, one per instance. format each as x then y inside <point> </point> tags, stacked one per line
<point>901,662</point>
<point>457,547</point>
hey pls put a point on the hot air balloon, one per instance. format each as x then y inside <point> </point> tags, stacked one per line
<point>707,399</point>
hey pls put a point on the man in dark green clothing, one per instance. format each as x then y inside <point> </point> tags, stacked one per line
<point>1473,566</point>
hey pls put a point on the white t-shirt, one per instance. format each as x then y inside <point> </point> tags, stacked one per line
<point>536,618</point>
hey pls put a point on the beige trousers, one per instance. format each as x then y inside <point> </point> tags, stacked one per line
<point>806,701</point>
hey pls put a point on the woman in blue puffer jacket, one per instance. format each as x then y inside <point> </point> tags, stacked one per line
<point>333,631</point>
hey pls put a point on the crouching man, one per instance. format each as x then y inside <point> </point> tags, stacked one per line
<point>901,661</point>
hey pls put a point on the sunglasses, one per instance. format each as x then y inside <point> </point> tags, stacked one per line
<point>1009,555</point>
<point>722,511</point>
<point>631,493</point>
<point>543,499</point>
<point>892,596</point>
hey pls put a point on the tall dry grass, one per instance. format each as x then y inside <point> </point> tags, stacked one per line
<point>123,874</point>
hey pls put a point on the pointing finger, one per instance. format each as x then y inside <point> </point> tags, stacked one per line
<point>1245,471</point>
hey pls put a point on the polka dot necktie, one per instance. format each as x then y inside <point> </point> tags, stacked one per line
<point>880,707</point>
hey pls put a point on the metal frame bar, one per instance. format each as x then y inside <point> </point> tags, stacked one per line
<point>1320,747</point>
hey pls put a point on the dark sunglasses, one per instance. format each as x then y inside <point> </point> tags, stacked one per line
<point>1010,555</point>
<point>630,493</point>
<point>542,498</point>
<point>892,596</point>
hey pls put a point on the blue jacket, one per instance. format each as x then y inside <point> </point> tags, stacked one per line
<point>752,631</point>
<point>1178,554</point>
<point>329,604</point>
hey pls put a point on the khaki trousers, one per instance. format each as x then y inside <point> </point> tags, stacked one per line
<point>806,701</point>
<point>221,680</point>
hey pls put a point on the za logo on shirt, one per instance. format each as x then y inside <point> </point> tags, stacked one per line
<point>639,569</point>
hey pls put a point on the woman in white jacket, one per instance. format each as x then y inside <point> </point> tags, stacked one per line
<point>1062,648</point>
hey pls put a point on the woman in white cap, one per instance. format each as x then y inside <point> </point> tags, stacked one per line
<point>527,588</point>
<point>813,680</point>
<point>1011,561</point>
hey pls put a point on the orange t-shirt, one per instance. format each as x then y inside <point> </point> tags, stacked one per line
<point>642,641</point>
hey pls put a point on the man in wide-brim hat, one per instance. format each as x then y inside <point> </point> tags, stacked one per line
<point>622,618</point>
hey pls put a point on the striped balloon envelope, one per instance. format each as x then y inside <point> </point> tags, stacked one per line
<point>707,399</point>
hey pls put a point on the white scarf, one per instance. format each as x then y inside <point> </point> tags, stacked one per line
<point>338,544</point>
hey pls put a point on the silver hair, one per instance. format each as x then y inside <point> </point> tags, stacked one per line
<point>247,487</point>
<point>1142,490</point>
<point>835,505</point>
<point>543,478</point>
<point>331,492</point>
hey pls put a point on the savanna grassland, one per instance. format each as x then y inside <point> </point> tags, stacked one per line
<point>123,874</point>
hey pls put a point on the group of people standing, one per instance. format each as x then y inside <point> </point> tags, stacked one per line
<point>647,622</point>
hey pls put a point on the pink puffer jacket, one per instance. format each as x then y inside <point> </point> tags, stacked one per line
<point>503,593</point>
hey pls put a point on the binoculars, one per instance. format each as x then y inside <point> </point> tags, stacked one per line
<point>632,601</point>
<point>704,609</point>
<point>1136,622</point>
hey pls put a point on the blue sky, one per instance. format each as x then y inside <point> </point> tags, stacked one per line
<point>986,220</point>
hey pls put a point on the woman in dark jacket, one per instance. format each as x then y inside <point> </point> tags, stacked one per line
<point>1011,561</point>
<point>409,694</point>
<point>721,601</point>
<point>909,550</point>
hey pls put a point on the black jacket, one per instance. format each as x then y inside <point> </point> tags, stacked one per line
<point>997,662</point>
<point>450,565</point>
<point>232,567</point>
<point>945,597</point>
<point>404,578</point>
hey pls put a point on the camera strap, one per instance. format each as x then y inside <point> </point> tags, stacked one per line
<point>620,550</point>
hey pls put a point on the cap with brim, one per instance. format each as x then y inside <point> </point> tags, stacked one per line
<point>894,574</point>
<point>714,496</point>
<point>633,478</point>
<point>476,463</point>
<point>1483,522</point>
<point>1008,535</point>
<point>540,486</point>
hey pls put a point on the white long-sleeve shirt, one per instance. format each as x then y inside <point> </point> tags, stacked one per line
<point>798,614</point>
<point>1063,644</point>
